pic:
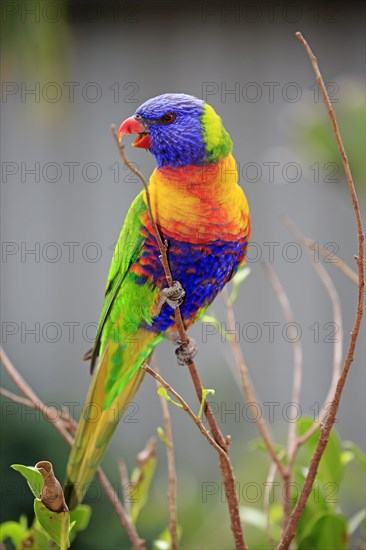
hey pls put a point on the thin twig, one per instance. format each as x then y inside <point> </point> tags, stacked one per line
<point>226,468</point>
<point>138,544</point>
<point>47,412</point>
<point>19,399</point>
<point>248,388</point>
<point>125,481</point>
<point>32,397</point>
<point>267,501</point>
<point>50,413</point>
<point>63,426</point>
<point>296,387</point>
<point>18,378</point>
<point>162,246</point>
<point>341,149</point>
<point>216,432</point>
<point>185,407</point>
<point>172,493</point>
<point>338,344</point>
<point>267,497</point>
<point>336,261</point>
<point>290,529</point>
<point>297,349</point>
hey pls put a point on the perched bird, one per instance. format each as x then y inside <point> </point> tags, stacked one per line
<point>202,212</point>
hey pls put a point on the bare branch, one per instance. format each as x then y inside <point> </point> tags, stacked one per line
<point>17,398</point>
<point>172,493</point>
<point>267,497</point>
<point>290,529</point>
<point>31,396</point>
<point>338,344</point>
<point>50,413</point>
<point>125,481</point>
<point>342,152</point>
<point>162,246</point>
<point>336,261</point>
<point>185,407</point>
<point>138,544</point>
<point>64,425</point>
<point>297,351</point>
<point>296,388</point>
<point>248,389</point>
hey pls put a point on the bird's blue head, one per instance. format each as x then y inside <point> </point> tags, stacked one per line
<point>179,130</point>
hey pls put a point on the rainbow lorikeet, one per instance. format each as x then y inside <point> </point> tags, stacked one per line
<point>203,214</point>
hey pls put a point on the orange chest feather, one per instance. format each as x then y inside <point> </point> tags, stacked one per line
<point>200,204</point>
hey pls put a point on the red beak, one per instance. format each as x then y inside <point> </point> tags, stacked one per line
<point>133,126</point>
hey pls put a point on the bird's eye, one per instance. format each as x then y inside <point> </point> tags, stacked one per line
<point>168,118</point>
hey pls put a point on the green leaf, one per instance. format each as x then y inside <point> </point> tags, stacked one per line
<point>316,503</point>
<point>160,544</point>
<point>163,393</point>
<point>205,393</point>
<point>317,139</point>
<point>254,517</point>
<point>276,512</point>
<point>258,519</point>
<point>326,531</point>
<point>357,453</point>
<point>237,280</point>
<point>56,524</point>
<point>79,519</point>
<point>331,467</point>
<point>163,542</point>
<point>23,521</point>
<point>35,539</point>
<point>12,530</point>
<point>206,318</point>
<point>347,457</point>
<point>33,477</point>
<point>356,521</point>
<point>142,477</point>
<point>219,327</point>
<point>162,435</point>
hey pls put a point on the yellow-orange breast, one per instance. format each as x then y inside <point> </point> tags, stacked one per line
<point>200,204</point>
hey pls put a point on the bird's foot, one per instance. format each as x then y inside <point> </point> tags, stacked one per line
<point>172,295</point>
<point>186,352</point>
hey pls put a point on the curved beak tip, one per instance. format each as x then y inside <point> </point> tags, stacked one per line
<point>130,126</point>
<point>133,126</point>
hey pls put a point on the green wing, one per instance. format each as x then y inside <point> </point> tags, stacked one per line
<point>126,252</point>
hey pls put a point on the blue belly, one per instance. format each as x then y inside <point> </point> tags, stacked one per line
<point>202,270</point>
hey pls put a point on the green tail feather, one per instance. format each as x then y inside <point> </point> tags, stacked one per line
<point>99,421</point>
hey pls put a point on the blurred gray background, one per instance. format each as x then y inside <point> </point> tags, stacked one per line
<point>92,68</point>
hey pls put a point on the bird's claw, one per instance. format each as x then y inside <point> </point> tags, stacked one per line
<point>186,352</point>
<point>172,295</point>
<point>88,354</point>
